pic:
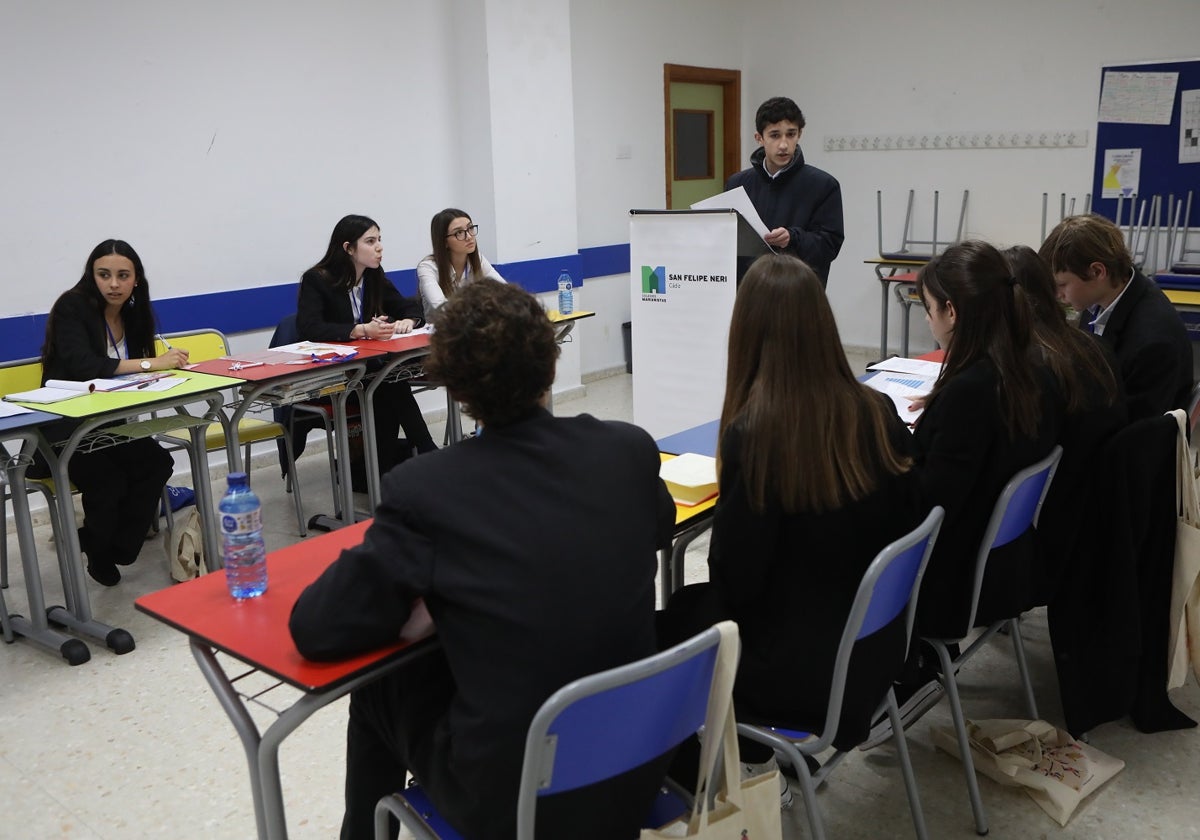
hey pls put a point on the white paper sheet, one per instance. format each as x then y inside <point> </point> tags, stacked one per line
<point>738,200</point>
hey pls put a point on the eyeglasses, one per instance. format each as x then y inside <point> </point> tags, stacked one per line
<point>462,235</point>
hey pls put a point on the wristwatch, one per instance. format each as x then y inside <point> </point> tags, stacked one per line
<point>145,364</point>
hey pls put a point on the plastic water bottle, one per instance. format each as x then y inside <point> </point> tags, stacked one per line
<point>566,297</point>
<point>242,545</point>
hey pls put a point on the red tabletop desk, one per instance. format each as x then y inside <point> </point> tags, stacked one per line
<point>255,632</point>
<point>283,384</point>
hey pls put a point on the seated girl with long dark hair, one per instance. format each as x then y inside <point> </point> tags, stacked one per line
<point>101,327</point>
<point>346,296</point>
<point>815,478</point>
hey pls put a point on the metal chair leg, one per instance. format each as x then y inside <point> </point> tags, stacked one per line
<point>960,729</point>
<point>910,781</point>
<point>1019,648</point>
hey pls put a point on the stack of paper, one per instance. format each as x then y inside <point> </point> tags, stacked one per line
<point>904,380</point>
<point>690,478</point>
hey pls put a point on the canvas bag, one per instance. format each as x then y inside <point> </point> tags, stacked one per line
<point>1183,646</point>
<point>743,810</point>
<point>1055,770</point>
<point>184,545</point>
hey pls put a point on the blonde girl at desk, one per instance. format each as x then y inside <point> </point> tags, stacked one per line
<point>102,327</point>
<point>454,262</point>
<point>346,297</point>
<point>815,476</point>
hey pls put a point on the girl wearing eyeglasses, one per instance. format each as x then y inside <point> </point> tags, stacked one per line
<point>455,260</point>
<point>347,296</point>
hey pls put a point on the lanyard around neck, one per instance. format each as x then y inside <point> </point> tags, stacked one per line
<point>113,340</point>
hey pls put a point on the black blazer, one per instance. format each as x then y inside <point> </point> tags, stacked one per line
<point>80,349</point>
<point>323,312</point>
<point>964,458</point>
<point>1152,347</point>
<point>534,546</point>
<point>788,580</point>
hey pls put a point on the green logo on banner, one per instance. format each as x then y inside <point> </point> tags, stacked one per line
<point>654,280</point>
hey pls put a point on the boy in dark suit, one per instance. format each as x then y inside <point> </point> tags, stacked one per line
<point>533,547</point>
<point>1095,275</point>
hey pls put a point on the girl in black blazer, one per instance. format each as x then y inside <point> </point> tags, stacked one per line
<point>102,327</point>
<point>346,296</point>
<point>815,478</point>
<point>992,412</point>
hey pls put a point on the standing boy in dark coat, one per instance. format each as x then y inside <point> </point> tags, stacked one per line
<point>802,205</point>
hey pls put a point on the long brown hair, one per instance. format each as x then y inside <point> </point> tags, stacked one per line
<point>1074,357</point>
<point>813,437</point>
<point>438,228</point>
<point>992,321</point>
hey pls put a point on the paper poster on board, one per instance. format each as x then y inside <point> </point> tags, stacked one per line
<point>1121,172</point>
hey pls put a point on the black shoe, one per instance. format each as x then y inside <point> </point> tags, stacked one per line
<point>102,571</point>
<point>788,770</point>
<point>105,573</point>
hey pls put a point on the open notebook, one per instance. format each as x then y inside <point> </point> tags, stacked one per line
<point>57,390</point>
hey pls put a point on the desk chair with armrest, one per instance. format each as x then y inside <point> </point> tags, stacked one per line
<point>203,345</point>
<point>889,586</point>
<point>593,729</point>
<point>1016,511</point>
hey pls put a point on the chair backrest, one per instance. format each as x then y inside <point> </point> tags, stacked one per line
<point>202,345</point>
<point>1193,411</point>
<point>890,584</point>
<point>286,332</point>
<point>605,724</point>
<point>20,375</point>
<point>1015,512</point>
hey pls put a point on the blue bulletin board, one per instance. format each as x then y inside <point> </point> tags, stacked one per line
<point>1132,98</point>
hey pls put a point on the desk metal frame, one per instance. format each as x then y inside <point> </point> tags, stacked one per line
<point>89,436</point>
<point>891,267</point>
<point>262,747</point>
<point>35,628</point>
<point>335,381</point>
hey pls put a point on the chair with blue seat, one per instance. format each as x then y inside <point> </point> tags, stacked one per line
<point>593,729</point>
<point>1015,512</point>
<point>889,587</point>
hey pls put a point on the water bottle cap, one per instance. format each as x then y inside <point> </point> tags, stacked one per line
<point>236,478</point>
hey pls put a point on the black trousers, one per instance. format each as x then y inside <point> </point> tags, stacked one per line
<point>121,487</point>
<point>396,408</point>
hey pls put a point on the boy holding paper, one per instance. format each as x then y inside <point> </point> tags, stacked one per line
<point>802,205</point>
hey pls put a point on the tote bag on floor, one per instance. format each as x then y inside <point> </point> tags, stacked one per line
<point>743,810</point>
<point>1184,643</point>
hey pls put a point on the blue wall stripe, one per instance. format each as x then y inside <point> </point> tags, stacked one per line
<point>262,307</point>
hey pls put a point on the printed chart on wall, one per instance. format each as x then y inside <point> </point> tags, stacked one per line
<point>1148,143</point>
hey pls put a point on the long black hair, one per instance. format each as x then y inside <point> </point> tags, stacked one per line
<point>137,314</point>
<point>337,266</point>
<point>992,321</point>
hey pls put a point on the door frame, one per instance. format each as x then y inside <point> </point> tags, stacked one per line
<point>731,106</point>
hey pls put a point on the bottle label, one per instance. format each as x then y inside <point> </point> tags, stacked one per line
<point>242,523</point>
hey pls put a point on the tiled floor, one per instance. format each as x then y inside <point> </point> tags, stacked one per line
<point>136,746</point>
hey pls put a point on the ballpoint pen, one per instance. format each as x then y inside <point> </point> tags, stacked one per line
<point>165,343</point>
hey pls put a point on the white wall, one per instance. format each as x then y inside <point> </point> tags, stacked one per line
<point>222,139</point>
<point>867,66</point>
